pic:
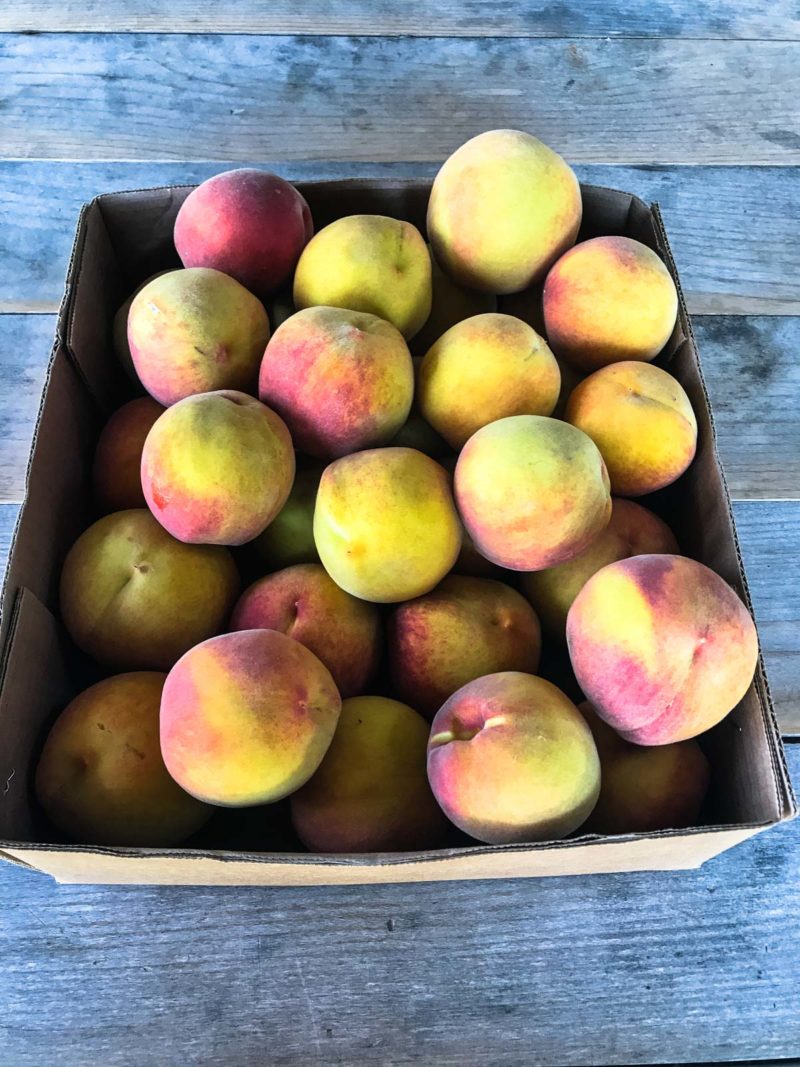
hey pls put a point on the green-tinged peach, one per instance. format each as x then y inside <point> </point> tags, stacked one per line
<point>641,420</point>
<point>415,431</point>
<point>502,209</point>
<point>368,263</point>
<point>607,300</point>
<point>247,717</point>
<point>194,331</point>
<point>661,787</point>
<point>449,305</point>
<point>511,759</point>
<point>661,646</point>
<point>101,779</point>
<point>116,473</point>
<point>132,596</point>
<point>385,524</point>
<point>632,531</point>
<point>280,308</point>
<point>463,629</point>
<point>371,793</point>
<point>217,468</point>
<point>305,603</point>
<point>343,380</point>
<point>532,492</point>
<point>289,538</point>
<point>483,369</point>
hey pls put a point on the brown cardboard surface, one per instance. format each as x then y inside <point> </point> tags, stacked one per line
<point>123,238</point>
<point>605,856</point>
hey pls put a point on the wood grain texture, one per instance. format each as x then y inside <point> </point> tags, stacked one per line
<point>417,18</point>
<point>26,342</point>
<point>682,967</point>
<point>728,264</point>
<point>750,363</point>
<point>127,97</point>
<point>770,537</point>
<point>769,534</point>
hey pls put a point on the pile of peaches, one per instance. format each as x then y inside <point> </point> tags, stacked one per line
<point>422,492</point>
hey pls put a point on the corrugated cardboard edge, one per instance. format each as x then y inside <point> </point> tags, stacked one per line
<point>670,850</point>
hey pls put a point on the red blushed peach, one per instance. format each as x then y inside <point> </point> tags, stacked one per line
<point>195,331</point>
<point>342,380</point>
<point>116,474</point>
<point>101,778</point>
<point>217,468</point>
<point>502,209</point>
<point>385,524</point>
<point>641,420</point>
<point>483,369</point>
<point>371,793</point>
<point>645,789</point>
<point>531,491</point>
<point>463,629</point>
<point>247,717</point>
<point>631,531</point>
<point>247,223</point>
<point>133,596</point>
<point>510,758</point>
<point>661,646</point>
<point>306,604</point>
<point>607,300</point>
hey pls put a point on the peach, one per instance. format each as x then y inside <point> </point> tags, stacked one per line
<point>119,331</point>
<point>607,300</point>
<point>502,210</point>
<point>247,717</point>
<point>247,223</point>
<point>511,759</point>
<point>645,789</point>
<point>531,491</point>
<point>289,538</point>
<point>385,524</point>
<point>661,646</point>
<point>449,305</point>
<point>483,369</point>
<point>368,263</point>
<point>419,434</point>
<point>195,331</point>
<point>371,793</point>
<point>465,628</point>
<point>632,531</point>
<point>217,468</point>
<point>116,473</point>
<point>101,779</point>
<point>132,596</point>
<point>641,420</point>
<point>343,380</point>
<point>303,602</point>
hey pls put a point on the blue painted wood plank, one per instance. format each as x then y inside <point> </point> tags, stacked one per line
<point>421,18</point>
<point>728,226</point>
<point>127,97</point>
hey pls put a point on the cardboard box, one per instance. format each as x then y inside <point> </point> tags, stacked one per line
<point>121,239</point>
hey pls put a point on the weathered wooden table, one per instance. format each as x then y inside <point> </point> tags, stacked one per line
<point>692,104</point>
